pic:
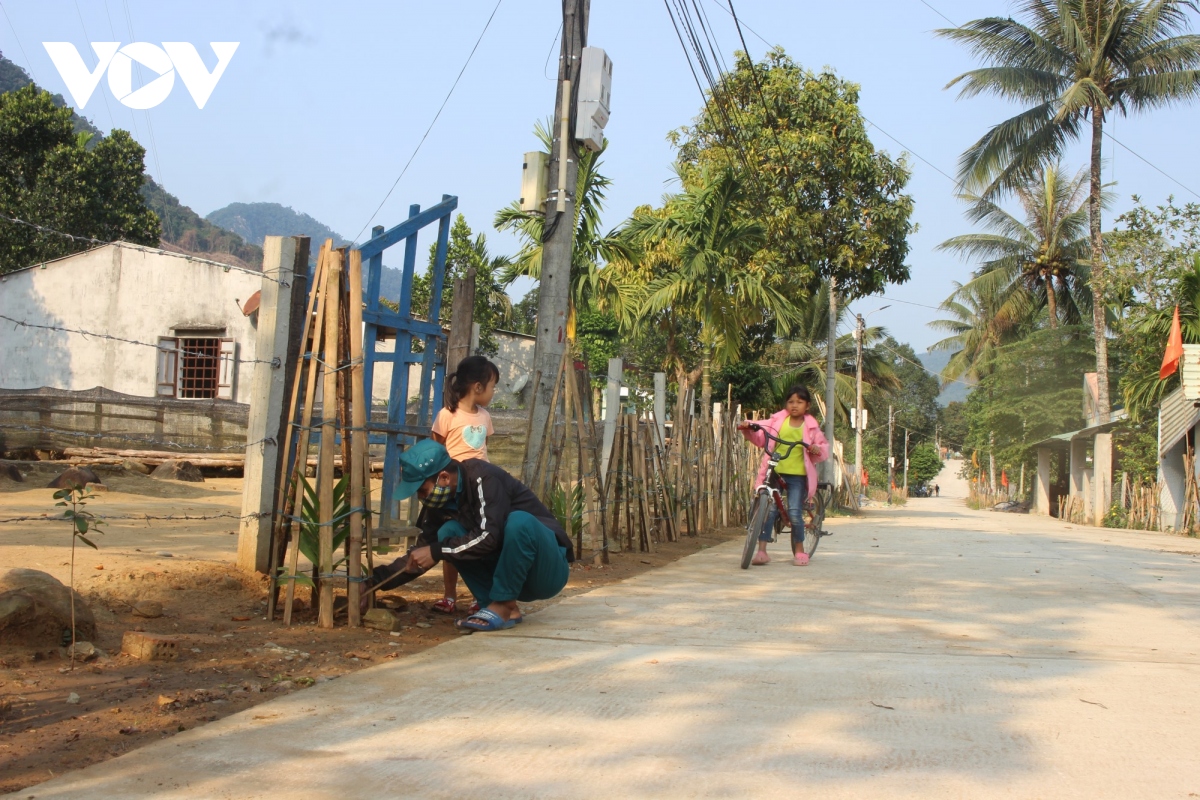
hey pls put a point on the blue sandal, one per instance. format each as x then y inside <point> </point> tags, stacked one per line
<point>485,620</point>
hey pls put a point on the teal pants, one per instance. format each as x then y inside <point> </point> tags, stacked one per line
<point>532,564</point>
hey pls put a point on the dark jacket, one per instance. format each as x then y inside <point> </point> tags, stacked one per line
<point>487,496</point>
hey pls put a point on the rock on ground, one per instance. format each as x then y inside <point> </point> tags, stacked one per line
<point>178,471</point>
<point>75,476</point>
<point>35,610</point>
<point>129,465</point>
<point>11,472</point>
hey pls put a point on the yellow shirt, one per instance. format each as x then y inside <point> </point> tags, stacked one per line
<point>794,463</point>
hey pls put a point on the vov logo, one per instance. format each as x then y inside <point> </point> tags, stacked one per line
<point>163,61</point>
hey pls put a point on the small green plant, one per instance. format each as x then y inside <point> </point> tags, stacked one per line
<point>310,528</point>
<point>567,508</point>
<point>75,498</point>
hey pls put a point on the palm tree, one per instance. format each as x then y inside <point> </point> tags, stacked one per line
<point>1038,262</point>
<point>715,280</point>
<point>977,330</point>
<point>1075,60</point>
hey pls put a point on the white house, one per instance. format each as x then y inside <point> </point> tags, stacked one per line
<point>126,345</point>
<point>136,320</point>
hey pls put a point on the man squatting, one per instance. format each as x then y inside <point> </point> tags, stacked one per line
<point>506,544</point>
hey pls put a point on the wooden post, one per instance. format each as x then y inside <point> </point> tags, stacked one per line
<point>328,434</point>
<point>292,488</point>
<point>358,441</point>
<point>462,316</point>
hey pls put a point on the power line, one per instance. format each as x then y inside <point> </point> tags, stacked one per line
<point>141,249</point>
<point>433,121</point>
<point>940,14</point>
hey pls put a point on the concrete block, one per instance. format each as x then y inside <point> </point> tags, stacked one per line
<point>381,619</point>
<point>149,646</point>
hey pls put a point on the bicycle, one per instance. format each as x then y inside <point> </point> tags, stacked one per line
<point>771,491</point>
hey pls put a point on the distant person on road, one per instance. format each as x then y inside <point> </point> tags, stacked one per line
<point>937,490</point>
<point>464,426</point>
<point>798,470</point>
<point>507,546</point>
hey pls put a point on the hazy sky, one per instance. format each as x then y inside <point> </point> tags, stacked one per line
<point>323,103</point>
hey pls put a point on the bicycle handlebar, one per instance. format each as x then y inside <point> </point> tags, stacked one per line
<point>778,442</point>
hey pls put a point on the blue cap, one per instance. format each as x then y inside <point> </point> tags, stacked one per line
<point>418,464</point>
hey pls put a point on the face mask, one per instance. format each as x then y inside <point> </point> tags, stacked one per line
<point>439,497</point>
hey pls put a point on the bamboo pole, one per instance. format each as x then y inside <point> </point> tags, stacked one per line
<point>280,524</point>
<point>590,476</point>
<point>358,440</point>
<point>328,434</point>
<point>543,462</point>
<point>305,431</point>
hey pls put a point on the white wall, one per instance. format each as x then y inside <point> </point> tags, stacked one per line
<point>125,293</point>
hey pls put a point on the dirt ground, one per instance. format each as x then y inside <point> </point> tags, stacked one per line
<point>232,657</point>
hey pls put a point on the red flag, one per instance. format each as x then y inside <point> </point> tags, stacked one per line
<point>1174,352</point>
<point>1004,479</point>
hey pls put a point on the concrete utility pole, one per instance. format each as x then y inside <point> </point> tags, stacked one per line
<point>559,232</point>
<point>859,329</point>
<point>891,460</point>
<point>906,462</point>
<point>992,461</point>
<point>831,377</point>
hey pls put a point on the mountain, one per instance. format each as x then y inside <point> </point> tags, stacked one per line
<point>183,230</point>
<point>254,221</point>
<point>935,362</point>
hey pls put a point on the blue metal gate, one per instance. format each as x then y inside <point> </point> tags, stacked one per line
<point>399,430</point>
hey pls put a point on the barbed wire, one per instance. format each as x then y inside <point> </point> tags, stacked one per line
<point>145,517</point>
<point>274,362</point>
<point>142,249</point>
<point>143,440</point>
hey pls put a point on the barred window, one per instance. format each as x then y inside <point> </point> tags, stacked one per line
<point>196,367</point>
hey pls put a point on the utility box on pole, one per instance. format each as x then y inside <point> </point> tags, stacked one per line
<point>535,172</point>
<point>595,89</point>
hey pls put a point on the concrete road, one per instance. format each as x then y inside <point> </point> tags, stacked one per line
<point>929,652</point>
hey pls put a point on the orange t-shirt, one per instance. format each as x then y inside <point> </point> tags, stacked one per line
<point>465,432</point>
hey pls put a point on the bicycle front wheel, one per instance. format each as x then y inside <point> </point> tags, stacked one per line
<point>814,529</point>
<point>758,522</point>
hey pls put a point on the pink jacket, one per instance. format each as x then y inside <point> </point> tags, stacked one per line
<point>812,435</point>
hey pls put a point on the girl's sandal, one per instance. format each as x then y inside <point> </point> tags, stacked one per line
<point>444,606</point>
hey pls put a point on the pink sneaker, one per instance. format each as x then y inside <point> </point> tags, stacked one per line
<point>801,560</point>
<point>761,557</point>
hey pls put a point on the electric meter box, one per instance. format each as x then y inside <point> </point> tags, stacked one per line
<point>534,175</point>
<point>592,106</point>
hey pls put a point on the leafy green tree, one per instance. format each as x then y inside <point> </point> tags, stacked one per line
<point>832,205</point>
<point>751,382</point>
<point>1069,62</point>
<point>50,176</point>
<point>597,334</point>
<point>717,281</point>
<point>924,464</point>
<point>1041,261</point>
<point>524,316</point>
<point>464,254</point>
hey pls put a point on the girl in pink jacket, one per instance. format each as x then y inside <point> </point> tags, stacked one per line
<point>798,470</point>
